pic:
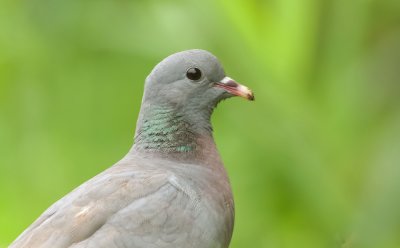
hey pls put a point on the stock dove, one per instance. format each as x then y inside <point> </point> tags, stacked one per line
<point>171,189</point>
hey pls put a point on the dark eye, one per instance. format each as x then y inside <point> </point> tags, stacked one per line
<point>193,73</point>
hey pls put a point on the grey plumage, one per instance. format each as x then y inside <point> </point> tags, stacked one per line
<point>171,189</point>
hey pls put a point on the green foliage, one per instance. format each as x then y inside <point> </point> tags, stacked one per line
<point>314,161</point>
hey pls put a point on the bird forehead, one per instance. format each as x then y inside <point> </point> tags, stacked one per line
<point>181,61</point>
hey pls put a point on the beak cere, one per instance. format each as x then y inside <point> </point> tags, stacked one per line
<point>234,88</point>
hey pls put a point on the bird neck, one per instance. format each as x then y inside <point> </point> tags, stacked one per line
<point>167,130</point>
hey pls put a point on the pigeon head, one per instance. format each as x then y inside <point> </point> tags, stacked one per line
<point>192,79</point>
<point>179,97</point>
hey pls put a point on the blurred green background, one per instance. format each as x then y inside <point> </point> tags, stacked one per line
<point>314,161</point>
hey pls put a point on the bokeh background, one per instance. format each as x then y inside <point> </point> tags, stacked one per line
<point>314,161</point>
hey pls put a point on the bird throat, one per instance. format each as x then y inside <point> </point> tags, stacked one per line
<point>169,131</point>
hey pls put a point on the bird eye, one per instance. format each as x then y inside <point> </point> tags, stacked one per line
<point>193,73</point>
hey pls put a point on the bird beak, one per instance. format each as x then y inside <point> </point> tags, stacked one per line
<point>234,88</point>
